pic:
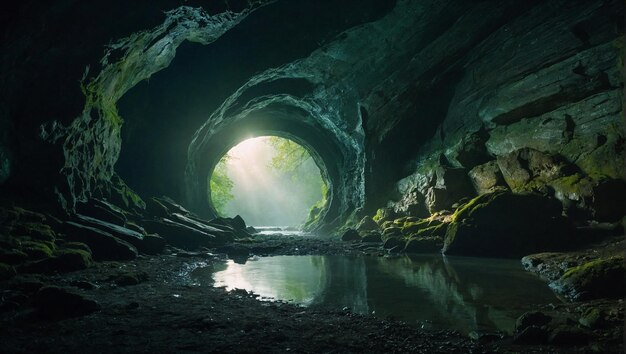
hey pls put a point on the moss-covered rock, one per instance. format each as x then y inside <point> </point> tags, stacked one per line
<point>392,232</point>
<point>601,278</point>
<point>351,235</point>
<point>77,246</point>
<point>394,243</point>
<point>373,236</point>
<point>37,249</point>
<point>423,245</point>
<point>36,231</point>
<point>411,227</point>
<point>593,318</point>
<point>503,224</point>
<point>367,224</point>
<point>383,215</point>
<point>6,271</point>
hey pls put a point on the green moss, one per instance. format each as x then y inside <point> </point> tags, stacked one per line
<point>596,266</point>
<point>37,231</point>
<point>412,227</point>
<point>438,230</point>
<point>386,225</point>
<point>36,250</point>
<point>601,278</point>
<point>380,215</point>
<point>77,246</point>
<point>465,211</point>
<point>73,259</point>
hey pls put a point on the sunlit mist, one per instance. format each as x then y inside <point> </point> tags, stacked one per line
<point>252,182</point>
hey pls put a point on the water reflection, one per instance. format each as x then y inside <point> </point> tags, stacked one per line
<point>468,294</point>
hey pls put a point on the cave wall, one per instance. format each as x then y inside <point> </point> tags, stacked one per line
<point>415,98</point>
<point>46,48</point>
<point>548,78</point>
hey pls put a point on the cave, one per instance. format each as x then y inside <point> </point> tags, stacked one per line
<point>471,155</point>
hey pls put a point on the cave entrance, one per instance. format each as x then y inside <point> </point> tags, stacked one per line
<point>269,181</point>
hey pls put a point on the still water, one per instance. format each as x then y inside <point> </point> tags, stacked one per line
<point>466,294</point>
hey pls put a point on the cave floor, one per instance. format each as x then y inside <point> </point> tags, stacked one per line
<point>162,311</point>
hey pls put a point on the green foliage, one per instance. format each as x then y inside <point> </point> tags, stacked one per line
<point>221,186</point>
<point>290,156</point>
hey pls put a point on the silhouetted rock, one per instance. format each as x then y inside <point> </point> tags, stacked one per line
<point>372,236</point>
<point>528,319</point>
<point>601,278</point>
<point>367,224</point>
<point>180,235</point>
<point>221,236</point>
<point>486,177</point>
<point>103,245</point>
<point>503,224</point>
<point>351,235</point>
<point>58,303</point>
<point>424,245</point>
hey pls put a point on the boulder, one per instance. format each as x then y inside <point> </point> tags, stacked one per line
<point>486,177</point>
<point>472,150</point>
<point>608,203</point>
<point>58,303</point>
<point>104,246</point>
<point>601,278</point>
<point>133,237</point>
<point>172,206</point>
<point>412,203</point>
<point>424,245</point>
<point>221,235</point>
<point>534,318</point>
<point>180,235</point>
<point>444,198</point>
<point>351,235</point>
<point>155,208</point>
<point>593,318</point>
<point>392,232</point>
<point>238,222</point>
<point>102,210</point>
<point>372,237</point>
<point>394,243</point>
<point>521,166</point>
<point>503,224</point>
<point>238,253</point>
<point>34,230</point>
<point>65,260</point>
<point>453,184</point>
<point>367,224</point>
<point>384,214</point>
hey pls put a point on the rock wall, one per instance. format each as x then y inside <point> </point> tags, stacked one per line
<point>537,104</point>
<point>426,103</point>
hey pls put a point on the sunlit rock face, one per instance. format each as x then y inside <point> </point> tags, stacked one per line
<point>398,103</point>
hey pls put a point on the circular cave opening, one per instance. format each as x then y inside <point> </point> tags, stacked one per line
<point>270,181</point>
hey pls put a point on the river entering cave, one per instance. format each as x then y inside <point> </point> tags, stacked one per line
<point>431,291</point>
